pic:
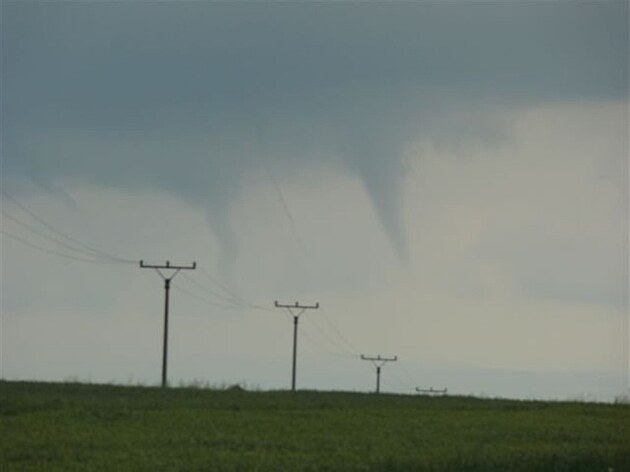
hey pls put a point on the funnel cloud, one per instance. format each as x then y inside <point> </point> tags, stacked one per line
<point>175,96</point>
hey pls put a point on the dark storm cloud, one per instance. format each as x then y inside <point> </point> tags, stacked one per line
<point>180,96</point>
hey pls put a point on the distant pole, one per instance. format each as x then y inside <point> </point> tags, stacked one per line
<point>432,391</point>
<point>167,287</point>
<point>293,310</point>
<point>379,362</point>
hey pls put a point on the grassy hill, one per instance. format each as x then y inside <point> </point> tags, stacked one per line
<point>72,427</point>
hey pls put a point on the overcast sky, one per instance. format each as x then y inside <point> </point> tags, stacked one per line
<point>449,181</point>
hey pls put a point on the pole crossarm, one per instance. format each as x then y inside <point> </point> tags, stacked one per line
<point>168,265</point>
<point>296,306</point>
<point>379,361</point>
<point>296,310</point>
<point>167,286</point>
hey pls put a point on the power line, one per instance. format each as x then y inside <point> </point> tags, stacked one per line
<point>204,289</point>
<point>96,252</point>
<point>327,338</point>
<point>52,251</point>
<point>218,283</point>
<point>339,333</point>
<point>410,377</point>
<point>204,300</point>
<point>406,386</point>
<point>231,294</point>
<point>324,348</point>
<point>325,342</point>
<point>226,301</point>
<point>285,208</point>
<point>267,166</point>
<point>55,240</point>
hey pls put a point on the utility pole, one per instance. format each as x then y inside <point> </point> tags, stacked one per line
<point>295,310</point>
<point>378,363</point>
<point>431,391</point>
<point>167,286</point>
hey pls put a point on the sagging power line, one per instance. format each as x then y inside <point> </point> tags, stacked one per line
<point>218,298</point>
<point>203,299</point>
<point>167,286</point>
<point>379,362</point>
<point>349,346</point>
<point>223,287</point>
<point>295,310</point>
<point>222,296</point>
<point>333,352</point>
<point>82,252</point>
<point>54,252</point>
<point>69,241</point>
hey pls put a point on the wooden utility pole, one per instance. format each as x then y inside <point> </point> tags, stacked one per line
<point>295,310</point>
<point>379,362</point>
<point>167,286</point>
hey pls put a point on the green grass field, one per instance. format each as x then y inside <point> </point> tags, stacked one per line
<point>78,427</point>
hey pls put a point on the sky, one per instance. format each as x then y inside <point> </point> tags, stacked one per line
<point>449,181</point>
